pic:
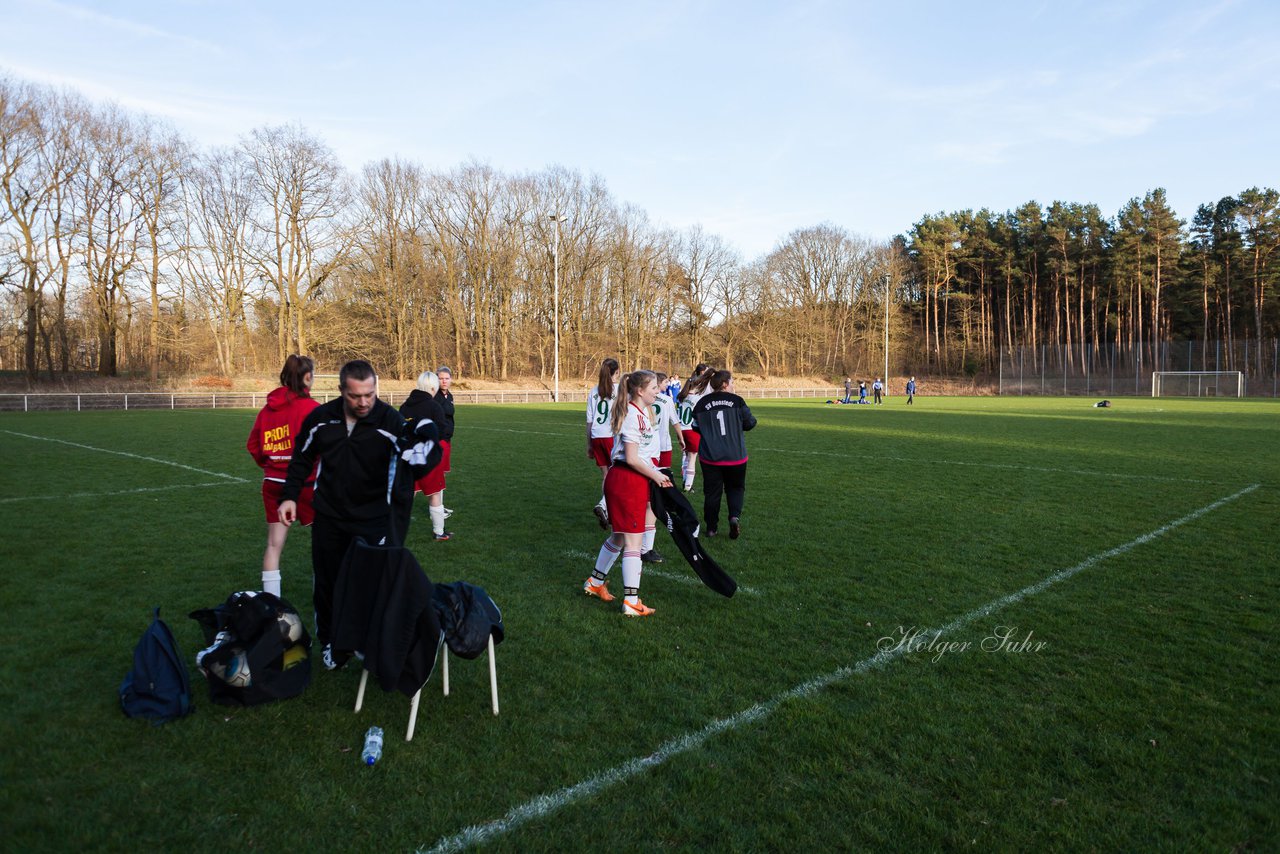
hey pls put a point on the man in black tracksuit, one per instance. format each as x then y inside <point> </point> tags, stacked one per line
<point>360,482</point>
<point>721,418</point>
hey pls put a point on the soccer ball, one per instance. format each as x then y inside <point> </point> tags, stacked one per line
<point>290,627</point>
<point>235,671</point>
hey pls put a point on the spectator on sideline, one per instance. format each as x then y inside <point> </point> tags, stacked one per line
<point>422,405</point>
<point>848,390</point>
<point>877,389</point>
<point>911,391</point>
<point>355,438</point>
<point>271,443</point>
<point>721,418</point>
<point>626,488</point>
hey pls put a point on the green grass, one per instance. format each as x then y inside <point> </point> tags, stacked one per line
<point>1147,720</point>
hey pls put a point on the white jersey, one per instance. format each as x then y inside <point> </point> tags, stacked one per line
<point>638,429</point>
<point>598,411</point>
<point>685,410</point>
<point>664,415</point>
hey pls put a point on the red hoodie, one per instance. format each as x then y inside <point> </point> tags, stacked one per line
<point>275,429</point>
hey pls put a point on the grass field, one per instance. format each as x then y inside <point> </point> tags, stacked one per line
<point>1127,556</point>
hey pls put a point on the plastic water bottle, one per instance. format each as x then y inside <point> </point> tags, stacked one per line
<point>372,745</point>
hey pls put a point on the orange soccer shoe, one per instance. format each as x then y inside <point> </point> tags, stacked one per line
<point>639,609</point>
<point>599,591</point>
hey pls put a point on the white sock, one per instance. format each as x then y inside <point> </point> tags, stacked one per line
<point>631,575</point>
<point>647,542</point>
<point>437,519</point>
<point>605,559</point>
<point>271,582</point>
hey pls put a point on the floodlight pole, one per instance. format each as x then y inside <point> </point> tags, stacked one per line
<point>555,265</point>
<point>888,280</point>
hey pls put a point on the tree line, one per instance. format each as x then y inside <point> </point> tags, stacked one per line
<point>127,248</point>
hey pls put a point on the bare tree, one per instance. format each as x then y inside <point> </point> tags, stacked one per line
<point>109,196</point>
<point>301,191</point>
<point>217,260</point>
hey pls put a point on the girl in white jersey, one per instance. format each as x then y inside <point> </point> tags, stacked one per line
<point>664,420</point>
<point>600,428</point>
<point>694,390</point>
<point>626,490</point>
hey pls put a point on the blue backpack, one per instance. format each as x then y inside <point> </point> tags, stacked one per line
<point>158,687</point>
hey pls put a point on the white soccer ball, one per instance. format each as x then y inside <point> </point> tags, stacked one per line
<point>290,628</point>
<point>235,671</point>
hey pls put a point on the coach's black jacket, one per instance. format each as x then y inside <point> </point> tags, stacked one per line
<point>361,473</point>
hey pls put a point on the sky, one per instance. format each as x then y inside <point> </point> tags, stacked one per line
<point>749,119</point>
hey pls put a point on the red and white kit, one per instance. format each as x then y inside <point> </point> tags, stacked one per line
<point>626,492</point>
<point>599,430</point>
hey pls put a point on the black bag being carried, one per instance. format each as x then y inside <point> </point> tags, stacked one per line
<point>258,650</point>
<point>158,687</point>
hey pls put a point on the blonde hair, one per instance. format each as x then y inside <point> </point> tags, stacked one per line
<point>628,386</point>
<point>429,382</point>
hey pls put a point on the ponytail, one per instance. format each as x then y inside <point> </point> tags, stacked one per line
<point>720,379</point>
<point>697,384</point>
<point>293,375</point>
<point>608,368</point>
<point>627,387</point>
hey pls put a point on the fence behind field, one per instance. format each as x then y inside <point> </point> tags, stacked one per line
<point>1112,370</point>
<point>134,400</point>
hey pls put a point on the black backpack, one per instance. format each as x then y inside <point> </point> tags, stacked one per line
<point>258,649</point>
<point>158,687</point>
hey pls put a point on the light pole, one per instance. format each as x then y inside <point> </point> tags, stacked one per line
<point>555,266</point>
<point>888,283</point>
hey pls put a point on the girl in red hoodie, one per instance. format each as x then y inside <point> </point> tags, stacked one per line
<point>271,445</point>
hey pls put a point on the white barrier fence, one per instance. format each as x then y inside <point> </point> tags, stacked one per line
<point>97,401</point>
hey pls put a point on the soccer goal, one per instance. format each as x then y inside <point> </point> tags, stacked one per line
<point>1197,384</point>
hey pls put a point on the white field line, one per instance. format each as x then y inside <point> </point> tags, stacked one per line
<point>577,554</point>
<point>544,805</point>
<point>921,460</point>
<point>231,478</point>
<point>140,490</point>
<point>1007,466</point>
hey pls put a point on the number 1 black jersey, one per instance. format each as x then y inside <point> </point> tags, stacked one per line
<point>721,418</point>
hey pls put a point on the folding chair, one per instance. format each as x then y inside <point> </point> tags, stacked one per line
<point>384,608</point>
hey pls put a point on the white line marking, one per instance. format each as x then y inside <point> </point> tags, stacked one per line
<point>229,477</point>
<point>649,570</point>
<point>563,434</point>
<point>138,491</point>
<point>544,805</point>
<point>1007,466</point>
<point>920,460</point>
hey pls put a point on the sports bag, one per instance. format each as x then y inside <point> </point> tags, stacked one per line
<point>258,649</point>
<point>158,687</point>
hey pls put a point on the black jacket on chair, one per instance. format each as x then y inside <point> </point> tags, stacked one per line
<point>383,609</point>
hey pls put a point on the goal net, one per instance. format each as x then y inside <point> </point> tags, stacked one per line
<point>1197,384</point>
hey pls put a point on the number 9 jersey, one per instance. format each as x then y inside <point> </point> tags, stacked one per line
<point>598,411</point>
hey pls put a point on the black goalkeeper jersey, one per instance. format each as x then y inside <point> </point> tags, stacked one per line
<point>721,418</point>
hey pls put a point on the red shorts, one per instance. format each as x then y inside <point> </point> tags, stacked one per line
<point>626,495</point>
<point>691,440</point>
<point>664,460</point>
<point>433,482</point>
<point>601,449</point>
<point>271,490</point>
